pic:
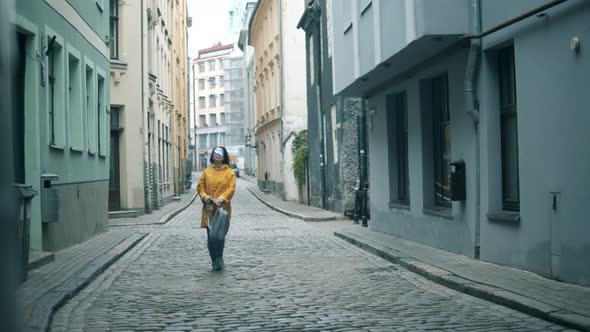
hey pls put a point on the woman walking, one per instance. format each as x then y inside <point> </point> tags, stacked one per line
<point>216,187</point>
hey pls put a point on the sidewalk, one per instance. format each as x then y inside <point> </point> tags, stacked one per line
<point>160,216</point>
<point>49,286</point>
<point>292,209</point>
<point>524,291</point>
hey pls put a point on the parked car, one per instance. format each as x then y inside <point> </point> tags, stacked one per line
<point>236,170</point>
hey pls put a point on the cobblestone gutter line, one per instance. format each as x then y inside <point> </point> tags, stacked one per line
<point>486,292</point>
<point>289,213</point>
<point>41,311</point>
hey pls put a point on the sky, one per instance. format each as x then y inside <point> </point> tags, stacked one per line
<point>210,23</point>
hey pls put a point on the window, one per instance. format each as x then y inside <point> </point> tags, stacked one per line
<point>201,84</point>
<point>201,102</point>
<point>91,114</point>
<point>212,101</point>
<point>212,83</point>
<point>213,119</point>
<point>202,121</point>
<point>213,140</point>
<point>56,93</point>
<point>221,100</point>
<point>311,61</point>
<point>220,63</point>
<point>397,123</point>
<point>201,67</point>
<point>221,82</point>
<point>222,139</point>
<point>75,101</point>
<point>442,140</point>
<point>221,119</point>
<point>114,37</point>
<point>211,65</point>
<point>203,141</point>
<point>334,136</point>
<point>101,113</point>
<point>509,130</point>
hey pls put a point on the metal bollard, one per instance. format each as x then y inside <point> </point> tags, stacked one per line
<point>23,229</point>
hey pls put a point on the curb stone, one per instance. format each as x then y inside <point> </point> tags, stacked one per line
<point>288,213</point>
<point>486,292</point>
<point>162,219</point>
<point>41,311</point>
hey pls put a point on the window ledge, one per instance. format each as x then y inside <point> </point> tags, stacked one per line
<point>507,216</point>
<point>56,147</point>
<point>446,213</point>
<point>91,153</point>
<point>76,149</point>
<point>399,205</point>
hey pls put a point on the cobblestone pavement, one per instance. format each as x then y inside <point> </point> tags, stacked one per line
<point>281,275</point>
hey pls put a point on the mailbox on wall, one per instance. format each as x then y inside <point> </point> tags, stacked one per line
<point>49,199</point>
<point>457,181</point>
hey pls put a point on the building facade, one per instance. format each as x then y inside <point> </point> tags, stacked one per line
<point>250,153</point>
<point>60,116</point>
<point>180,96</point>
<point>209,101</point>
<point>281,99</point>
<point>148,103</point>
<point>234,108</point>
<point>458,113</point>
<point>332,122</point>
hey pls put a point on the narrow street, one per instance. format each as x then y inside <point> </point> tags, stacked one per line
<point>282,274</point>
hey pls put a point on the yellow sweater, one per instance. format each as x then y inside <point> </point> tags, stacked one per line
<point>216,182</point>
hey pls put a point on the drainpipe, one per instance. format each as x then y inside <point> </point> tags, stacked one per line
<point>146,137</point>
<point>363,163</point>
<point>472,106</point>
<point>281,85</point>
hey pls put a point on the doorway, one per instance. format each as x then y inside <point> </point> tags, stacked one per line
<point>114,167</point>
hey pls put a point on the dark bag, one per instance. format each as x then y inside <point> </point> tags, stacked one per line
<point>218,225</point>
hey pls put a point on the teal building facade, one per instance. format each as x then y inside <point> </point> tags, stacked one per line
<point>61,117</point>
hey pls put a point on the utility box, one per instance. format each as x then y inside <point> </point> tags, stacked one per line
<point>49,199</point>
<point>457,181</point>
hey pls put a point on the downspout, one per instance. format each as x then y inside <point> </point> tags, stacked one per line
<point>281,98</point>
<point>146,137</point>
<point>472,107</point>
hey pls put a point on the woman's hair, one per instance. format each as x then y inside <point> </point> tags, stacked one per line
<point>225,155</point>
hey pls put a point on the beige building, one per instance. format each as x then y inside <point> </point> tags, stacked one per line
<point>148,103</point>
<point>208,91</point>
<point>280,87</point>
<point>180,72</point>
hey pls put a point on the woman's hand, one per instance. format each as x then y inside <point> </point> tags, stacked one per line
<point>219,200</point>
<point>207,199</point>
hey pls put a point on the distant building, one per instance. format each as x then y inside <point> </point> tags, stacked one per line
<point>209,101</point>
<point>148,131</point>
<point>234,108</point>
<point>281,101</point>
<point>250,154</point>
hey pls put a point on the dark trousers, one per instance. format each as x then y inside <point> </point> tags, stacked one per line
<point>215,247</point>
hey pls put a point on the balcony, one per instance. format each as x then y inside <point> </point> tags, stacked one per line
<point>390,37</point>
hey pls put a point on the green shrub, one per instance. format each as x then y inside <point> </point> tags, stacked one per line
<point>300,151</point>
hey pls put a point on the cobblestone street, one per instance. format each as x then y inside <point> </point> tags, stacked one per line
<point>282,274</point>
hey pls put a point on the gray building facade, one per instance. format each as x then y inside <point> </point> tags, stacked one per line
<point>476,133</point>
<point>332,121</point>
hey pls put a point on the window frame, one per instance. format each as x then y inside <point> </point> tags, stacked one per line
<point>397,111</point>
<point>56,91</point>
<point>441,144</point>
<point>114,21</point>
<point>508,112</point>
